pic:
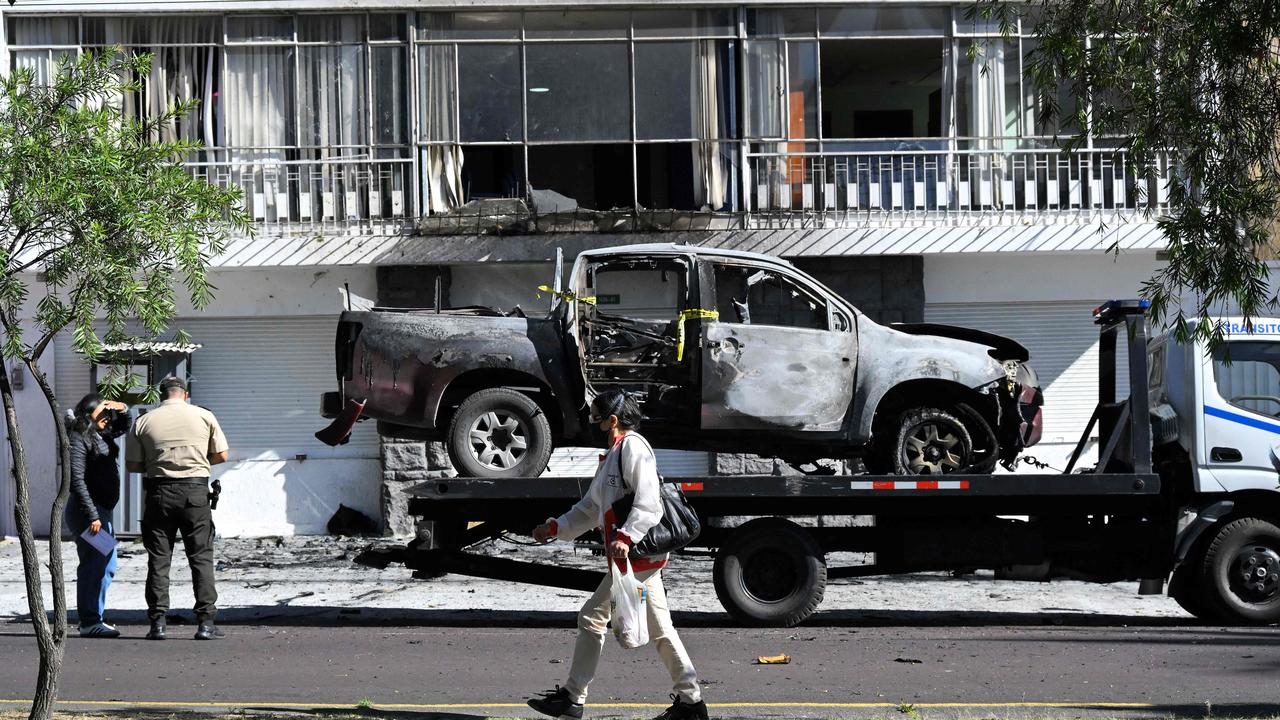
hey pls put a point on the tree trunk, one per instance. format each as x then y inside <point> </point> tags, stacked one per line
<point>47,683</point>
<point>51,648</point>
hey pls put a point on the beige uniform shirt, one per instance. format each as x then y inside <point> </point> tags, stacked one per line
<point>175,440</point>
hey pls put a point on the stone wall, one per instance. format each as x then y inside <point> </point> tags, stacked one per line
<point>407,463</point>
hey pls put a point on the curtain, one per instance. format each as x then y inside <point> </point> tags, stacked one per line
<point>333,88</point>
<point>988,119</point>
<point>710,178</point>
<point>259,103</point>
<point>441,163</point>
<point>41,32</point>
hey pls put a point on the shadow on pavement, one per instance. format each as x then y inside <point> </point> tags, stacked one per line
<point>284,616</point>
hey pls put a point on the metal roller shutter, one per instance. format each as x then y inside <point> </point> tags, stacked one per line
<point>263,378</point>
<point>71,371</point>
<point>1063,342</point>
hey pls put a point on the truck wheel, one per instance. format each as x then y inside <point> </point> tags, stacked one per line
<point>1241,569</point>
<point>931,441</point>
<point>499,433</point>
<point>770,573</point>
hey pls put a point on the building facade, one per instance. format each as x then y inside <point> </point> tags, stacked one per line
<point>895,150</point>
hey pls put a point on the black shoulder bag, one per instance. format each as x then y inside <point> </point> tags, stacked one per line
<point>678,527</point>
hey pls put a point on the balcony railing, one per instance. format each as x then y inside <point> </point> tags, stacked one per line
<point>306,191</point>
<point>952,186</point>
<point>290,195</point>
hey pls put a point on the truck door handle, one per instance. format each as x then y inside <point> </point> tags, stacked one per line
<point>1225,454</point>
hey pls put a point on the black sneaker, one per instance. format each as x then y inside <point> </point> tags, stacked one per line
<point>557,704</point>
<point>209,631</point>
<point>681,710</point>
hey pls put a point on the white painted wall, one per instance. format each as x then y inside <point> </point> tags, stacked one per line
<point>282,291</point>
<point>38,440</point>
<point>1034,277</point>
<point>288,497</point>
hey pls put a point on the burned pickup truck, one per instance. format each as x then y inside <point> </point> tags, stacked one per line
<point>728,351</point>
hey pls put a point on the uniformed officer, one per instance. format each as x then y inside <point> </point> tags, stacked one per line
<point>174,446</point>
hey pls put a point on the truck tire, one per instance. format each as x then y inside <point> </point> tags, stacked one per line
<point>770,573</point>
<point>931,441</point>
<point>499,433</point>
<point>1241,571</point>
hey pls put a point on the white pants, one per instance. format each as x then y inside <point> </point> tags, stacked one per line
<point>593,622</point>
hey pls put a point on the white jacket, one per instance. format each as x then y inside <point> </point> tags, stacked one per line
<point>632,461</point>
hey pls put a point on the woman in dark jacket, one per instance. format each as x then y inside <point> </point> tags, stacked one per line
<point>95,490</point>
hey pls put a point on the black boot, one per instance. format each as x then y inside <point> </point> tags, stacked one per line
<point>208,631</point>
<point>557,704</point>
<point>157,629</point>
<point>681,710</point>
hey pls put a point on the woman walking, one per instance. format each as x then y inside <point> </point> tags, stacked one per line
<point>95,489</point>
<point>627,468</point>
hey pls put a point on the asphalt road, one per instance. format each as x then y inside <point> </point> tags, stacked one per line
<point>963,665</point>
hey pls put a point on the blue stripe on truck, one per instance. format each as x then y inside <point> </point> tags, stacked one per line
<point>1242,419</point>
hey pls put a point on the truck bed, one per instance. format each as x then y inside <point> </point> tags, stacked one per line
<point>527,501</point>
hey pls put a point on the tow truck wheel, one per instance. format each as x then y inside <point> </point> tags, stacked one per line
<point>931,441</point>
<point>770,573</point>
<point>499,433</point>
<point>1241,569</point>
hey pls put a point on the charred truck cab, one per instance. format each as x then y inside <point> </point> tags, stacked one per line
<point>728,351</point>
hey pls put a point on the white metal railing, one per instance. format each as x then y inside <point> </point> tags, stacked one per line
<point>959,185</point>
<point>305,190</point>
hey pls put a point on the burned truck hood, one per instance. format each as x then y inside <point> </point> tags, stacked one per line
<point>1003,348</point>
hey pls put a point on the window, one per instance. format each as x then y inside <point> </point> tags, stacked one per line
<point>1248,375</point>
<point>607,109</point>
<point>578,91</point>
<point>882,88</point>
<point>752,296</point>
<point>489,93</point>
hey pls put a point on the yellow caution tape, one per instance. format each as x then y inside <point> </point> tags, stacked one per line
<point>566,295</point>
<point>694,314</point>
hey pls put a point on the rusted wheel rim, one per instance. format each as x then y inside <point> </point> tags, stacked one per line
<point>933,449</point>
<point>499,440</point>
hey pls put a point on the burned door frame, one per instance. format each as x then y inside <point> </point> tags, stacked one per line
<point>670,396</point>
<point>793,353</point>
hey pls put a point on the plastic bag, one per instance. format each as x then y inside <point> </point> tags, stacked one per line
<point>630,608</point>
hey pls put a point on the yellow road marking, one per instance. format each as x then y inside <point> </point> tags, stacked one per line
<point>605,706</point>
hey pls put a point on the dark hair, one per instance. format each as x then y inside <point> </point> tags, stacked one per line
<point>83,414</point>
<point>171,383</point>
<point>620,403</point>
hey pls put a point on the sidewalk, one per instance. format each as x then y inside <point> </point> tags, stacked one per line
<point>312,580</point>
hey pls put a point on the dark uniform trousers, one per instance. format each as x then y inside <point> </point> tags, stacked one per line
<point>172,506</point>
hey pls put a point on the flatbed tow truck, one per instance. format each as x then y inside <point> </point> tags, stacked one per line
<point>1150,510</point>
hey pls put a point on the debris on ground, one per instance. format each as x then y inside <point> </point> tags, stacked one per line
<point>773,660</point>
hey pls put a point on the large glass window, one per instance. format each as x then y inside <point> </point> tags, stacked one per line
<point>578,91</point>
<point>489,93</point>
<point>597,109</point>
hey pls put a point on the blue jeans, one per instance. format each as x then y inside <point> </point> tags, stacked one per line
<point>95,571</point>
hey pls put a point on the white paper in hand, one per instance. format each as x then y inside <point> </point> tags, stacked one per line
<point>104,542</point>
